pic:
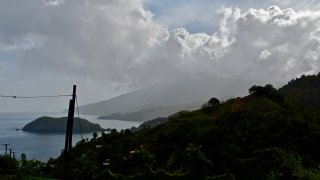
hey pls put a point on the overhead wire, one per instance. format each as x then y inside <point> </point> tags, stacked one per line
<point>48,96</point>
<point>31,97</point>
<point>51,96</point>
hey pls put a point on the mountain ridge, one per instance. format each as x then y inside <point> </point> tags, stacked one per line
<point>186,90</point>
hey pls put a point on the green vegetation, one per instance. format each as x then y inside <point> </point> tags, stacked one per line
<point>304,89</point>
<point>23,169</point>
<point>211,103</point>
<point>58,125</point>
<point>151,123</point>
<point>266,135</point>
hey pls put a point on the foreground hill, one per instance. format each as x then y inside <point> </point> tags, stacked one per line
<point>305,89</point>
<point>58,125</point>
<point>264,135</point>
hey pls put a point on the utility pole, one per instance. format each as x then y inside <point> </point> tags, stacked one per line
<point>6,148</point>
<point>68,141</point>
<point>10,150</point>
<point>14,155</point>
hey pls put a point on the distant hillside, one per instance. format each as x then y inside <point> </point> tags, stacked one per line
<point>58,125</point>
<point>173,93</point>
<point>150,123</point>
<point>151,113</point>
<point>305,89</point>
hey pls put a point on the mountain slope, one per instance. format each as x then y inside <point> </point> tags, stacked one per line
<point>151,113</point>
<point>179,92</point>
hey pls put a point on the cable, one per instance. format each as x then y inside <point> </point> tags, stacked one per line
<point>79,117</point>
<point>55,96</point>
<point>29,97</point>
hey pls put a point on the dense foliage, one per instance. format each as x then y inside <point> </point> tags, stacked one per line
<point>305,89</point>
<point>265,135</point>
<point>11,168</point>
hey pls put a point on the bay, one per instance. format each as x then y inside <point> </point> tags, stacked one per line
<point>43,146</point>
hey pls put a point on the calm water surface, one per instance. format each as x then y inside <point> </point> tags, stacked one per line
<point>43,146</point>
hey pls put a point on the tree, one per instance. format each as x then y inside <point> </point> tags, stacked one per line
<point>23,157</point>
<point>257,90</point>
<point>8,165</point>
<point>95,135</point>
<point>197,162</point>
<point>267,91</point>
<point>270,88</point>
<point>213,102</point>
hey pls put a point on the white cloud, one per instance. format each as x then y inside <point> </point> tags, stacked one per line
<point>97,38</point>
<point>264,54</point>
<point>299,4</point>
<point>119,42</point>
<point>287,35</point>
<point>284,38</point>
<point>53,2</point>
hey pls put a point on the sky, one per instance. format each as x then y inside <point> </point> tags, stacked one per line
<point>108,48</point>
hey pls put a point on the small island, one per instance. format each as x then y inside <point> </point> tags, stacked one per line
<point>58,125</point>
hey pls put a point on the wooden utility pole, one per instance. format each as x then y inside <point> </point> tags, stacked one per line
<point>68,141</point>
<point>6,148</point>
<point>10,150</point>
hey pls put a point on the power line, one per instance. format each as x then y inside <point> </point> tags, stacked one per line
<point>33,97</point>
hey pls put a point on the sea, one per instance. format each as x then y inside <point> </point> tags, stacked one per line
<point>44,146</point>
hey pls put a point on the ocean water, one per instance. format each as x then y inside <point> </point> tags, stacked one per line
<point>43,146</point>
